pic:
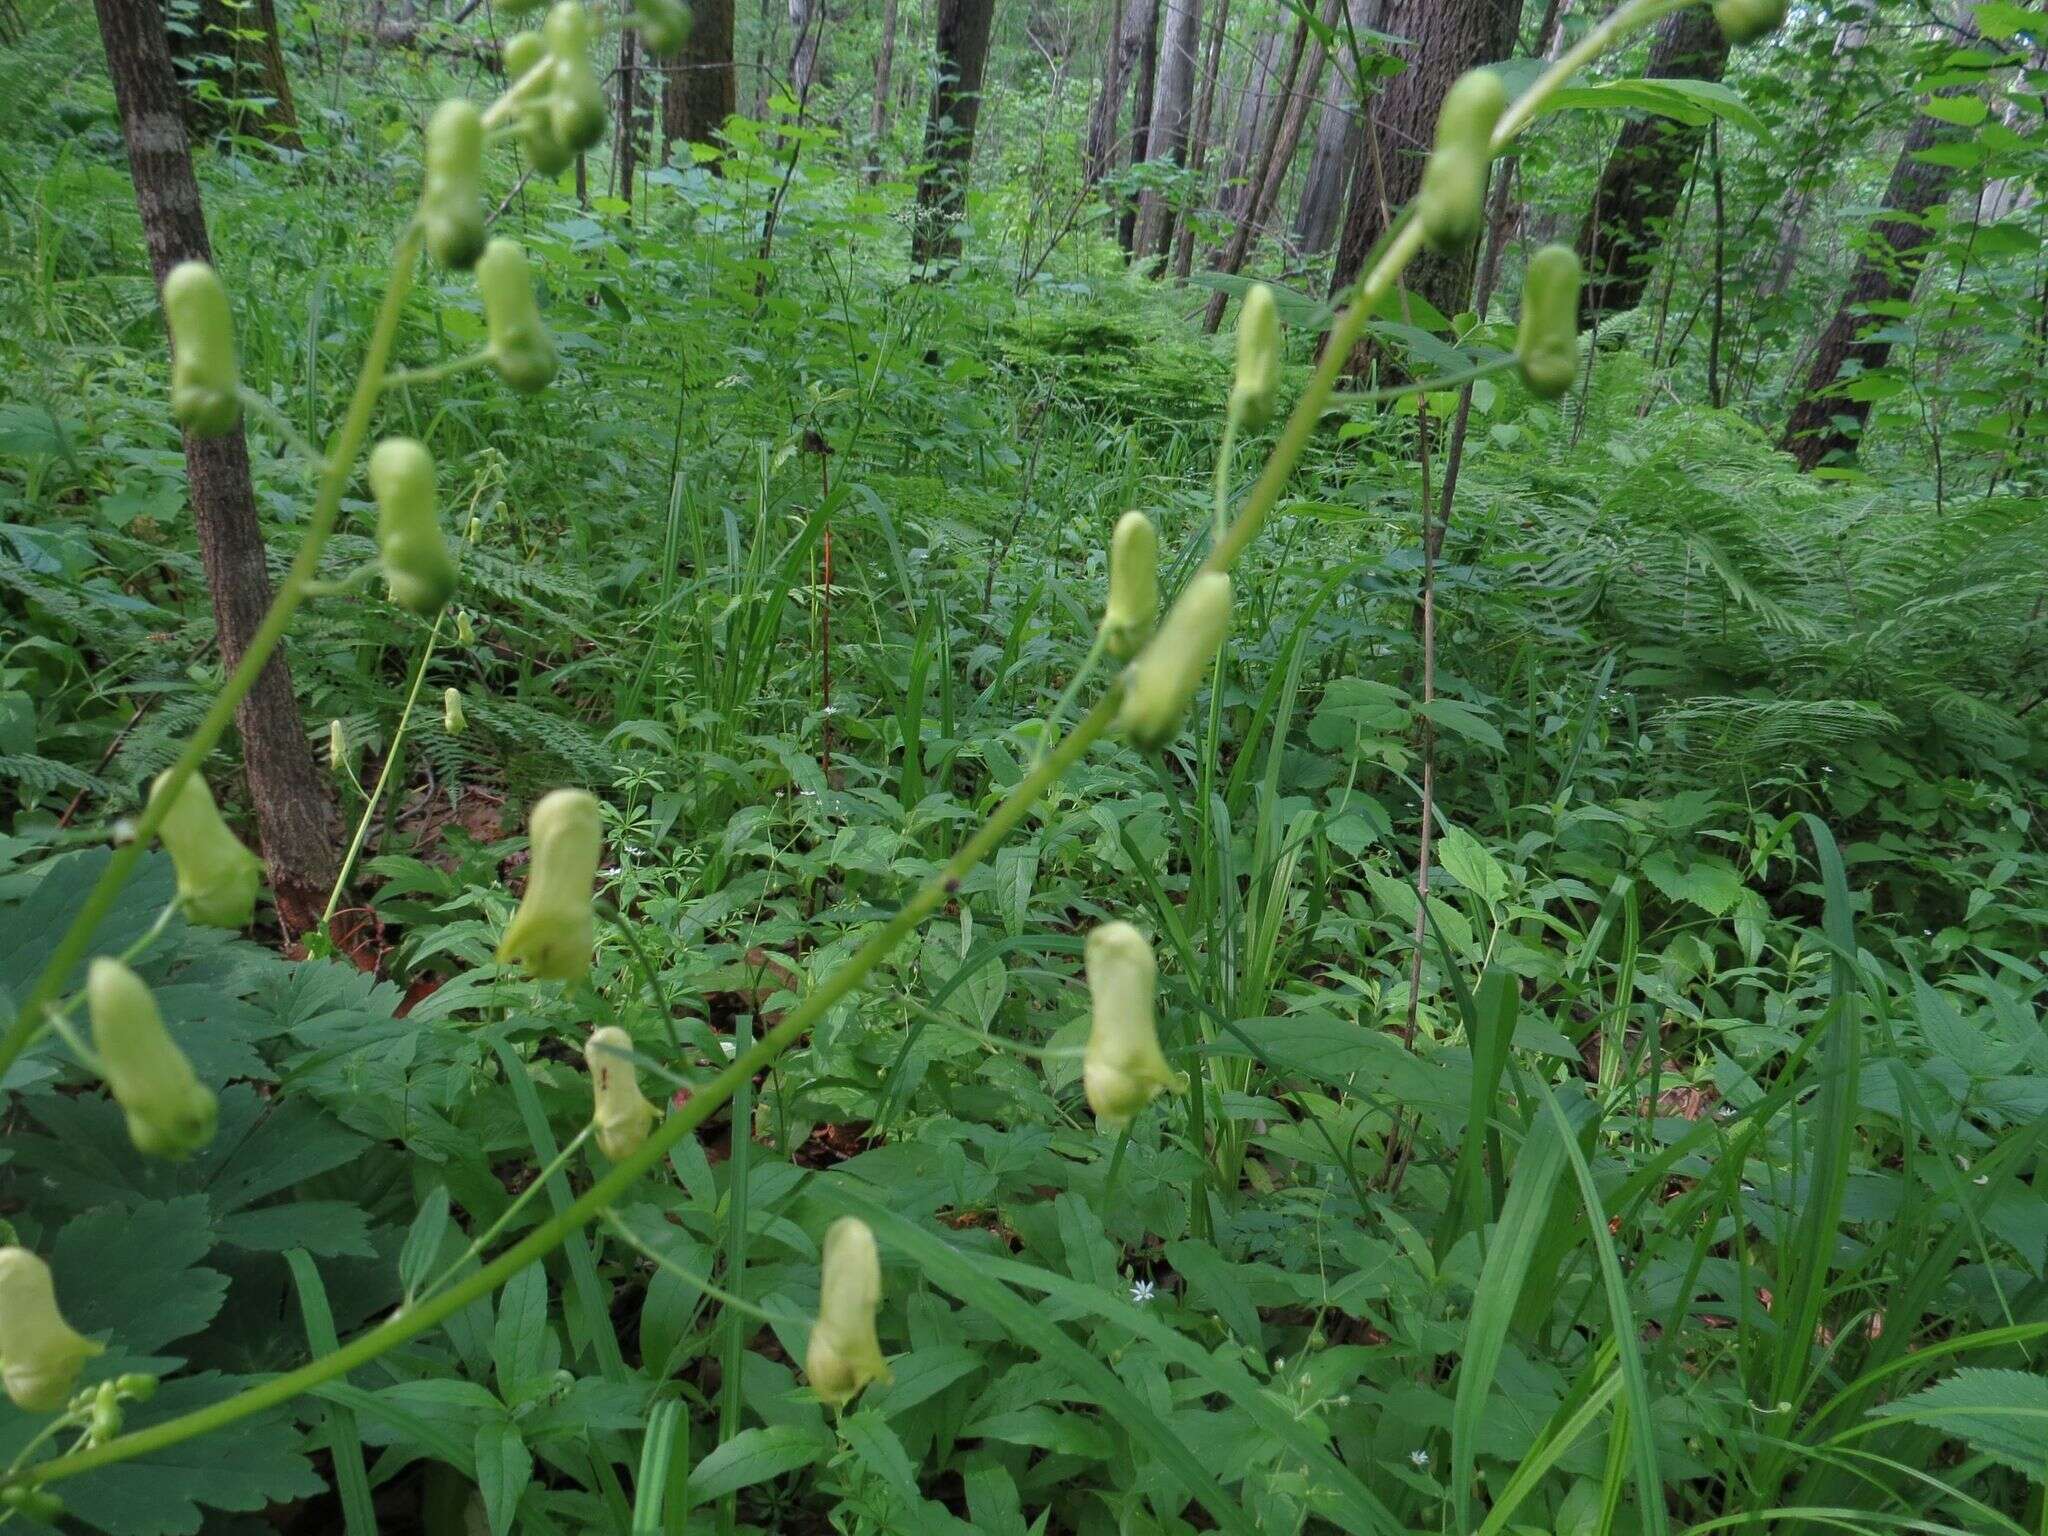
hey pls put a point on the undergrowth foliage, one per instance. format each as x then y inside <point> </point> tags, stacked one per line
<point>1671,1160</point>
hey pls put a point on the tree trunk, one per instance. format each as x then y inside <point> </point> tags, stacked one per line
<point>1172,111</point>
<point>699,90</point>
<point>806,25</point>
<point>238,54</point>
<point>1445,38</point>
<point>1141,119</point>
<point>627,155</point>
<point>1646,173</point>
<point>885,63</point>
<point>1127,25</point>
<point>1290,113</point>
<point>295,818</point>
<point>1339,133</point>
<point>1254,108</point>
<point>1821,422</point>
<point>1198,146</point>
<point>963,32</point>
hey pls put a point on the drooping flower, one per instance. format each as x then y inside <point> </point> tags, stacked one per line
<point>844,1354</point>
<point>40,1353</point>
<point>1123,1067</point>
<point>620,1110</point>
<point>553,931</point>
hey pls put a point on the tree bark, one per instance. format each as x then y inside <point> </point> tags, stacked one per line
<point>627,155</point>
<point>1172,111</point>
<point>1646,172</point>
<point>1141,119</point>
<point>1198,144</point>
<point>1254,109</point>
<point>1339,132</point>
<point>963,32</point>
<point>885,63</point>
<point>295,817</point>
<point>1445,38</point>
<point>1289,116</point>
<point>806,24</point>
<point>699,91</point>
<point>239,54</point>
<point>1127,26</point>
<point>1823,423</point>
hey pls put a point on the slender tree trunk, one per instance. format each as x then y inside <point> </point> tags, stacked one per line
<point>1141,120</point>
<point>1172,112</point>
<point>295,817</point>
<point>1127,24</point>
<point>885,63</point>
<point>963,32</point>
<point>806,24</point>
<point>238,52</point>
<point>1445,38</point>
<point>1646,172</point>
<point>1254,109</point>
<point>1339,133</point>
<point>627,155</point>
<point>699,90</point>
<point>1198,146</point>
<point>1283,135</point>
<point>1822,422</point>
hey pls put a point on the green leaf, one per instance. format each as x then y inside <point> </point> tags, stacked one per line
<point>753,1456</point>
<point>1213,1281</point>
<point>329,1228</point>
<point>1469,863</point>
<point>136,1274</point>
<point>504,1467</point>
<point>1964,111</point>
<point>877,1448</point>
<point>1710,883</point>
<point>2001,1414</point>
<point>245,1467</point>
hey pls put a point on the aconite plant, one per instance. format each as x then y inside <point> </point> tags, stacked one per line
<point>553,107</point>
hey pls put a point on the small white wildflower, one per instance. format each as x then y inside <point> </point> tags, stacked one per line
<point>1419,1458</point>
<point>1143,1291</point>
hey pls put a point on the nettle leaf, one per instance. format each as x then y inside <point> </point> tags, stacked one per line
<point>1710,883</point>
<point>2001,1414</point>
<point>247,1466</point>
<point>135,1272</point>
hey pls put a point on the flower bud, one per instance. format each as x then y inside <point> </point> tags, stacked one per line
<point>1747,21</point>
<point>40,1353</point>
<point>576,114</point>
<point>337,747</point>
<point>622,1114</point>
<point>217,877</point>
<point>204,374</point>
<point>844,1355</point>
<point>1451,200</point>
<point>1123,1066</point>
<point>170,1112</point>
<point>664,24</point>
<point>419,572</point>
<point>451,200</point>
<point>524,52</point>
<point>553,931</point>
<point>520,347</point>
<point>453,721</point>
<point>32,1503</point>
<point>1133,606</point>
<point>106,1411</point>
<point>1160,683</point>
<point>1547,342</point>
<point>136,1385</point>
<point>1258,359</point>
<point>465,626</point>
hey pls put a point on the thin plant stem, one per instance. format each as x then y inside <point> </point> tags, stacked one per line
<point>391,757</point>
<point>478,1245</point>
